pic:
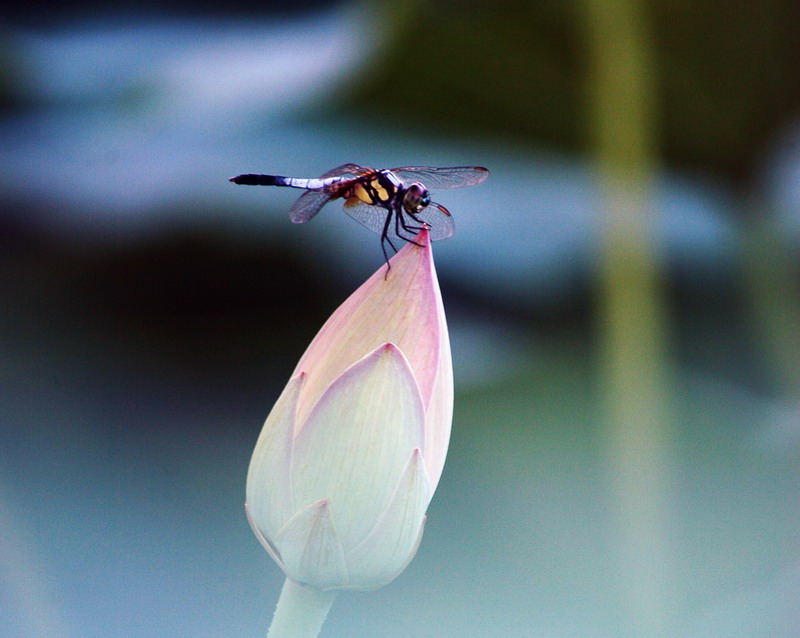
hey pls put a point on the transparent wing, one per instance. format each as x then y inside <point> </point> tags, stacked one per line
<point>307,206</point>
<point>436,216</point>
<point>345,169</point>
<point>373,217</point>
<point>439,219</point>
<point>448,177</point>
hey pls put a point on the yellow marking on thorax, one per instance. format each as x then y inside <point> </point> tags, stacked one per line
<point>361,193</point>
<point>372,193</point>
<point>383,194</point>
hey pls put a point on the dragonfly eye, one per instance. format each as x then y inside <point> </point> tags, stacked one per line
<point>416,198</point>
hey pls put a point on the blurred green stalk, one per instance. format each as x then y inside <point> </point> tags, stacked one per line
<point>633,364</point>
<point>770,288</point>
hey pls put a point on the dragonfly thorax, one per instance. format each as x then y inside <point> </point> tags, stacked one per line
<point>380,188</point>
<point>416,198</point>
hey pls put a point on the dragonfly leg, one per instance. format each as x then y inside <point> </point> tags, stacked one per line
<point>421,223</point>
<point>401,222</point>
<point>385,239</point>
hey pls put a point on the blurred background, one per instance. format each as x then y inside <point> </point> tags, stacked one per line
<point>622,296</point>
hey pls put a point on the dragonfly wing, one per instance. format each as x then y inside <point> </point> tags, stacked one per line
<point>439,221</point>
<point>307,206</point>
<point>344,169</point>
<point>448,177</point>
<point>373,217</point>
<point>436,216</point>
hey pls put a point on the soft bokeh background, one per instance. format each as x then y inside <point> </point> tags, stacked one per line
<point>622,295</point>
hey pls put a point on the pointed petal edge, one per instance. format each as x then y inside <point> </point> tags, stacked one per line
<point>268,488</point>
<point>393,542</point>
<point>310,549</point>
<point>272,551</point>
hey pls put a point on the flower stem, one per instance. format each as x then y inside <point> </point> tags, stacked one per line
<point>300,612</point>
<point>636,357</point>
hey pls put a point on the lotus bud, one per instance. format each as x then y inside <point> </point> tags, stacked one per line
<point>348,459</point>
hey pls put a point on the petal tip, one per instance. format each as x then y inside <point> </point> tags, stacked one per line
<point>388,348</point>
<point>420,244</point>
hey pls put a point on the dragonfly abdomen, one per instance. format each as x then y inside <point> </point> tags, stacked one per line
<point>251,179</point>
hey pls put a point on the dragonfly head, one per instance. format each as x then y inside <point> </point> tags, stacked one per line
<point>416,198</point>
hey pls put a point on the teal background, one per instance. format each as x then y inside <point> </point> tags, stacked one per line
<point>624,458</point>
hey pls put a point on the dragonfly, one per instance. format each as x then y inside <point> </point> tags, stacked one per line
<point>393,202</point>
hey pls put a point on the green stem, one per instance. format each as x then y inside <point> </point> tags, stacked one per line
<point>635,353</point>
<point>300,612</point>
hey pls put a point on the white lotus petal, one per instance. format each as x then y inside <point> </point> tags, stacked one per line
<point>357,439</point>
<point>266,544</point>
<point>310,549</point>
<point>268,478</point>
<point>391,545</point>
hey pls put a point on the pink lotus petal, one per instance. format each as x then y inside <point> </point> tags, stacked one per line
<point>399,307</point>
<point>439,418</point>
